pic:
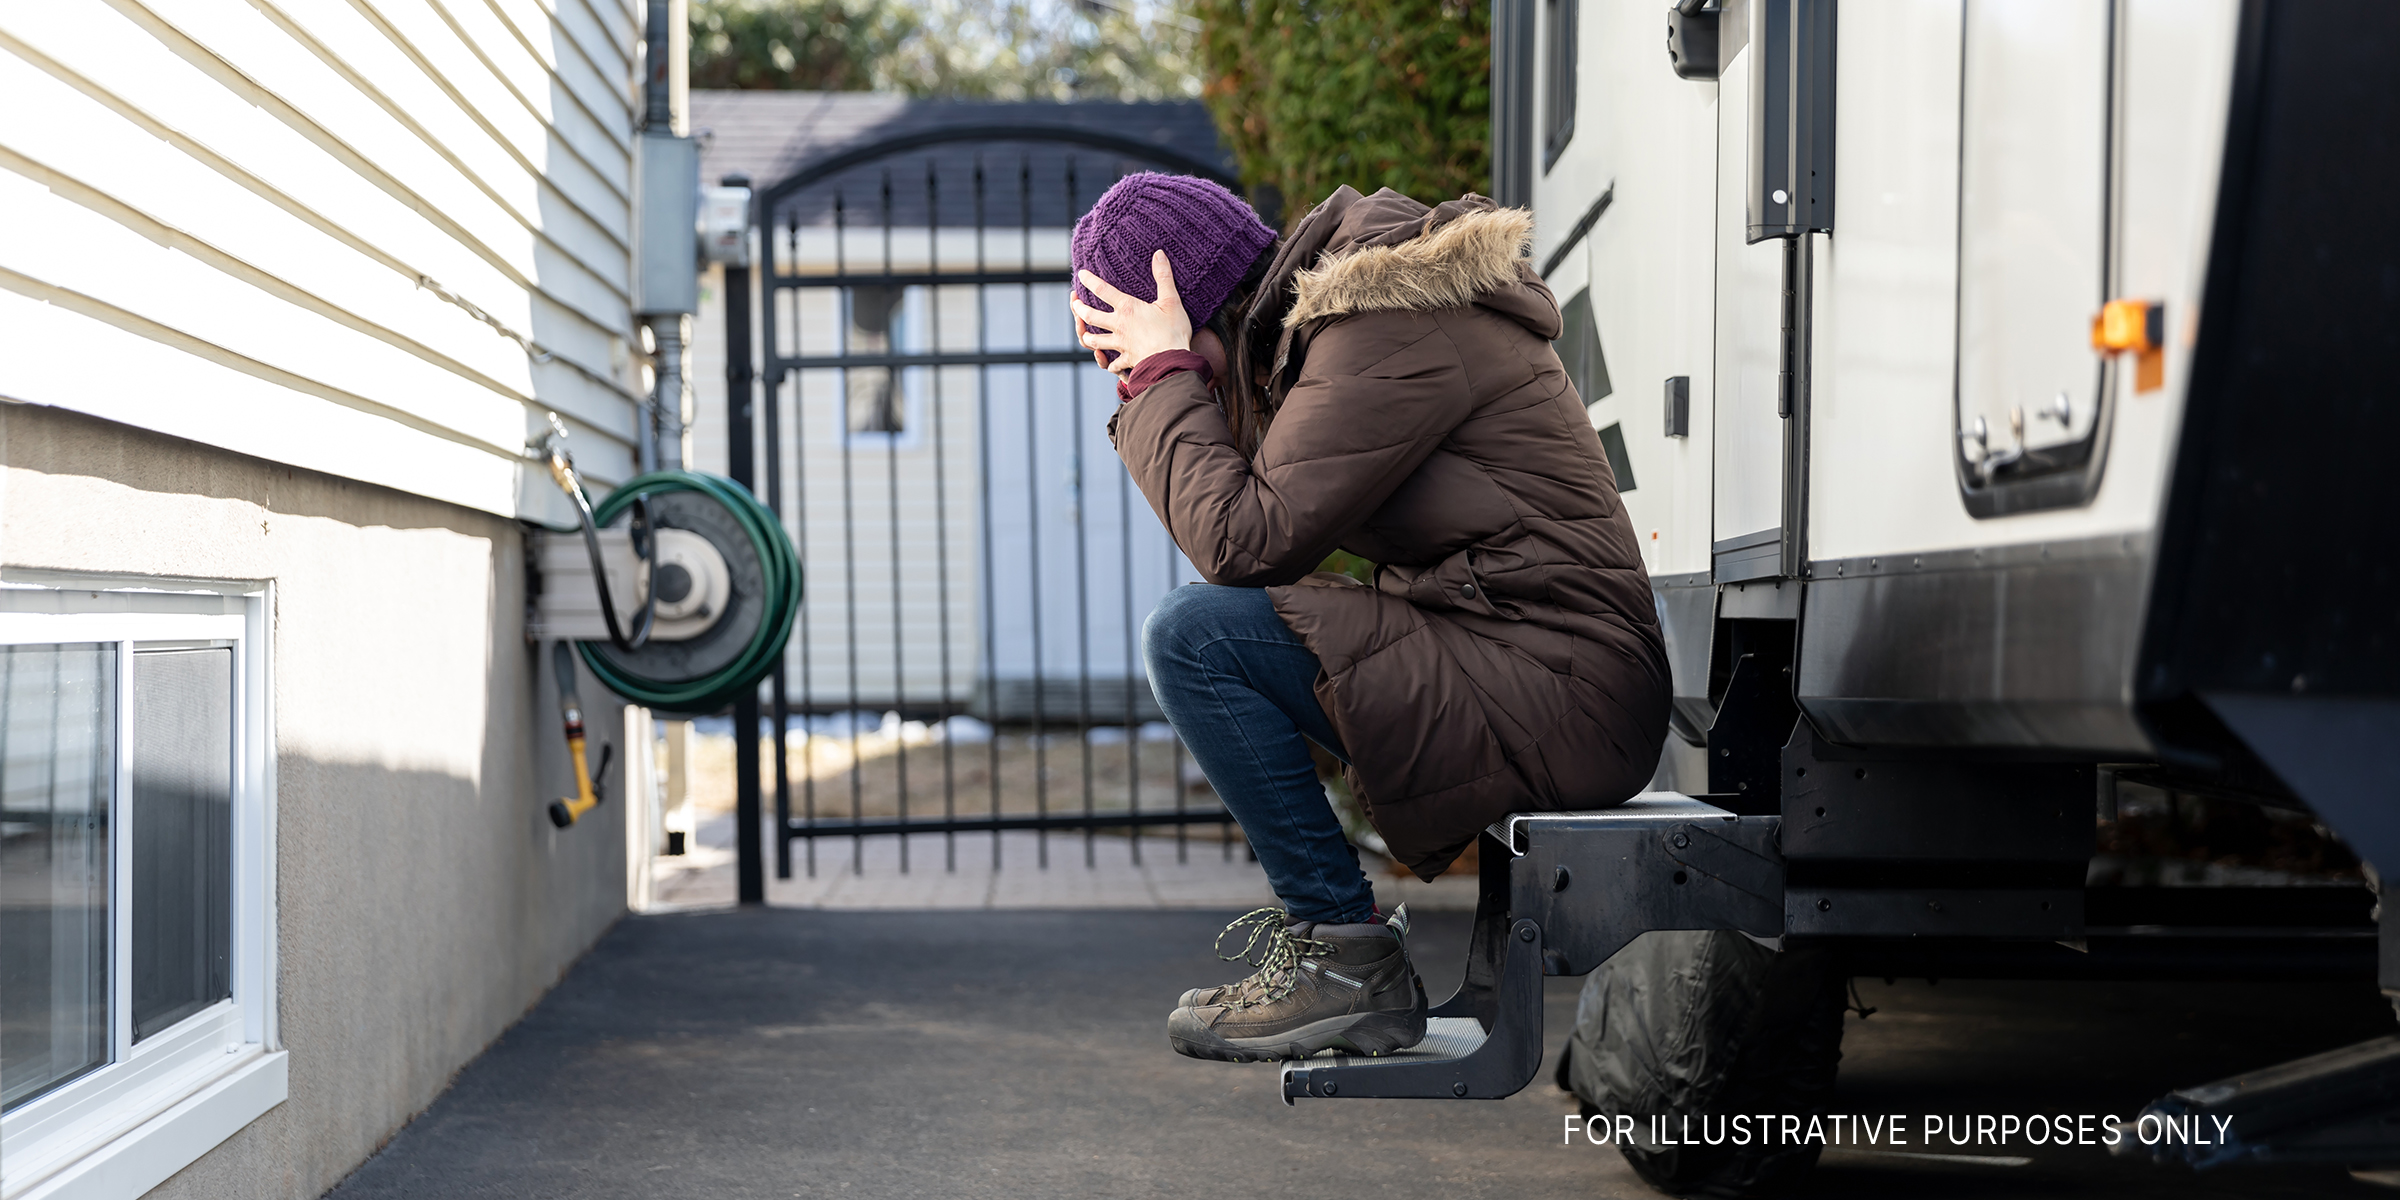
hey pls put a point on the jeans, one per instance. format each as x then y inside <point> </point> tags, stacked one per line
<point>1239,687</point>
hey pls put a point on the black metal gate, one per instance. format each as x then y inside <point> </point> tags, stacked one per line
<point>892,433</point>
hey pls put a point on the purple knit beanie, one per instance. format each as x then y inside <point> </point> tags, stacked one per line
<point>1211,237</point>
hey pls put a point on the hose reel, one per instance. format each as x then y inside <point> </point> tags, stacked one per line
<point>739,583</point>
<point>709,575</point>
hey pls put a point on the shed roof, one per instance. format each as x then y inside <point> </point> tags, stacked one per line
<point>771,135</point>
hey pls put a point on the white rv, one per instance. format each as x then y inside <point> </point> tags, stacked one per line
<point>1843,276</point>
<point>1999,388</point>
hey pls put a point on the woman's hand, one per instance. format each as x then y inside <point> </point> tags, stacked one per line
<point>1133,329</point>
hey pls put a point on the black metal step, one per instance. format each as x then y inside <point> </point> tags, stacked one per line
<point>1485,1041</point>
<point>1459,1059</point>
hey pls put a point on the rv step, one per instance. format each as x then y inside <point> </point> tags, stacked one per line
<point>1558,894</point>
<point>1460,1058</point>
<point>1445,1038</point>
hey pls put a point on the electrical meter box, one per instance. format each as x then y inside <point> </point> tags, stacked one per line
<point>666,215</point>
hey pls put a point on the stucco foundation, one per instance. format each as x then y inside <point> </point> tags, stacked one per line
<point>424,901</point>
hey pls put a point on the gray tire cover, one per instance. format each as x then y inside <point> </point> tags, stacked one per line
<point>1661,1024</point>
<point>1709,1023</point>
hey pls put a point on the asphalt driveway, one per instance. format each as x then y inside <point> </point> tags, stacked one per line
<point>779,1053</point>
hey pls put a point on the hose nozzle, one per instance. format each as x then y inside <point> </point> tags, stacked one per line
<point>565,810</point>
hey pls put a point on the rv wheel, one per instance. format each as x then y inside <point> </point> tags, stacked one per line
<point>1708,1026</point>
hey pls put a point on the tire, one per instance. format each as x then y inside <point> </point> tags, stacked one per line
<point>1708,1024</point>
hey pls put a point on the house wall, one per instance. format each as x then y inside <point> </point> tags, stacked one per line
<point>382,240</point>
<point>423,899</point>
<point>290,287</point>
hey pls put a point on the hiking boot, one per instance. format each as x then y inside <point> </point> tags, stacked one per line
<point>1319,987</point>
<point>1261,923</point>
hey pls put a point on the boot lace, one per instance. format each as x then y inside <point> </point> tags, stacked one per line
<point>1271,947</point>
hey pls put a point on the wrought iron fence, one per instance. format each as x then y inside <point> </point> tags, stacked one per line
<point>978,562</point>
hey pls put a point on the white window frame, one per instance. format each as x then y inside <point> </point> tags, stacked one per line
<point>155,1107</point>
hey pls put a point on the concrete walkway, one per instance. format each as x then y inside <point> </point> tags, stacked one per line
<point>781,1053</point>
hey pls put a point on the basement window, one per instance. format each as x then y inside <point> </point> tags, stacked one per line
<point>136,1016</point>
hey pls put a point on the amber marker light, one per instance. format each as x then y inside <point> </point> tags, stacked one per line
<point>2136,327</point>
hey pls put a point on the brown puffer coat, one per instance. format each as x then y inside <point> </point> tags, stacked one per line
<point>1507,658</point>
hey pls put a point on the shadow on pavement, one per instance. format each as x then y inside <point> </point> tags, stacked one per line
<point>859,1054</point>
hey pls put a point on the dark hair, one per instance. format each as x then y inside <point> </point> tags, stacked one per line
<point>1247,413</point>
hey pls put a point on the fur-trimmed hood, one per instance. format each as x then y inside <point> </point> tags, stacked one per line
<point>1356,254</point>
<point>1474,253</point>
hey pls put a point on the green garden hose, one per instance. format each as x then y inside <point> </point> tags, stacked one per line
<point>636,676</point>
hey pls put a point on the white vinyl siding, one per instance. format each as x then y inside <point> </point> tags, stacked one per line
<point>297,229</point>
